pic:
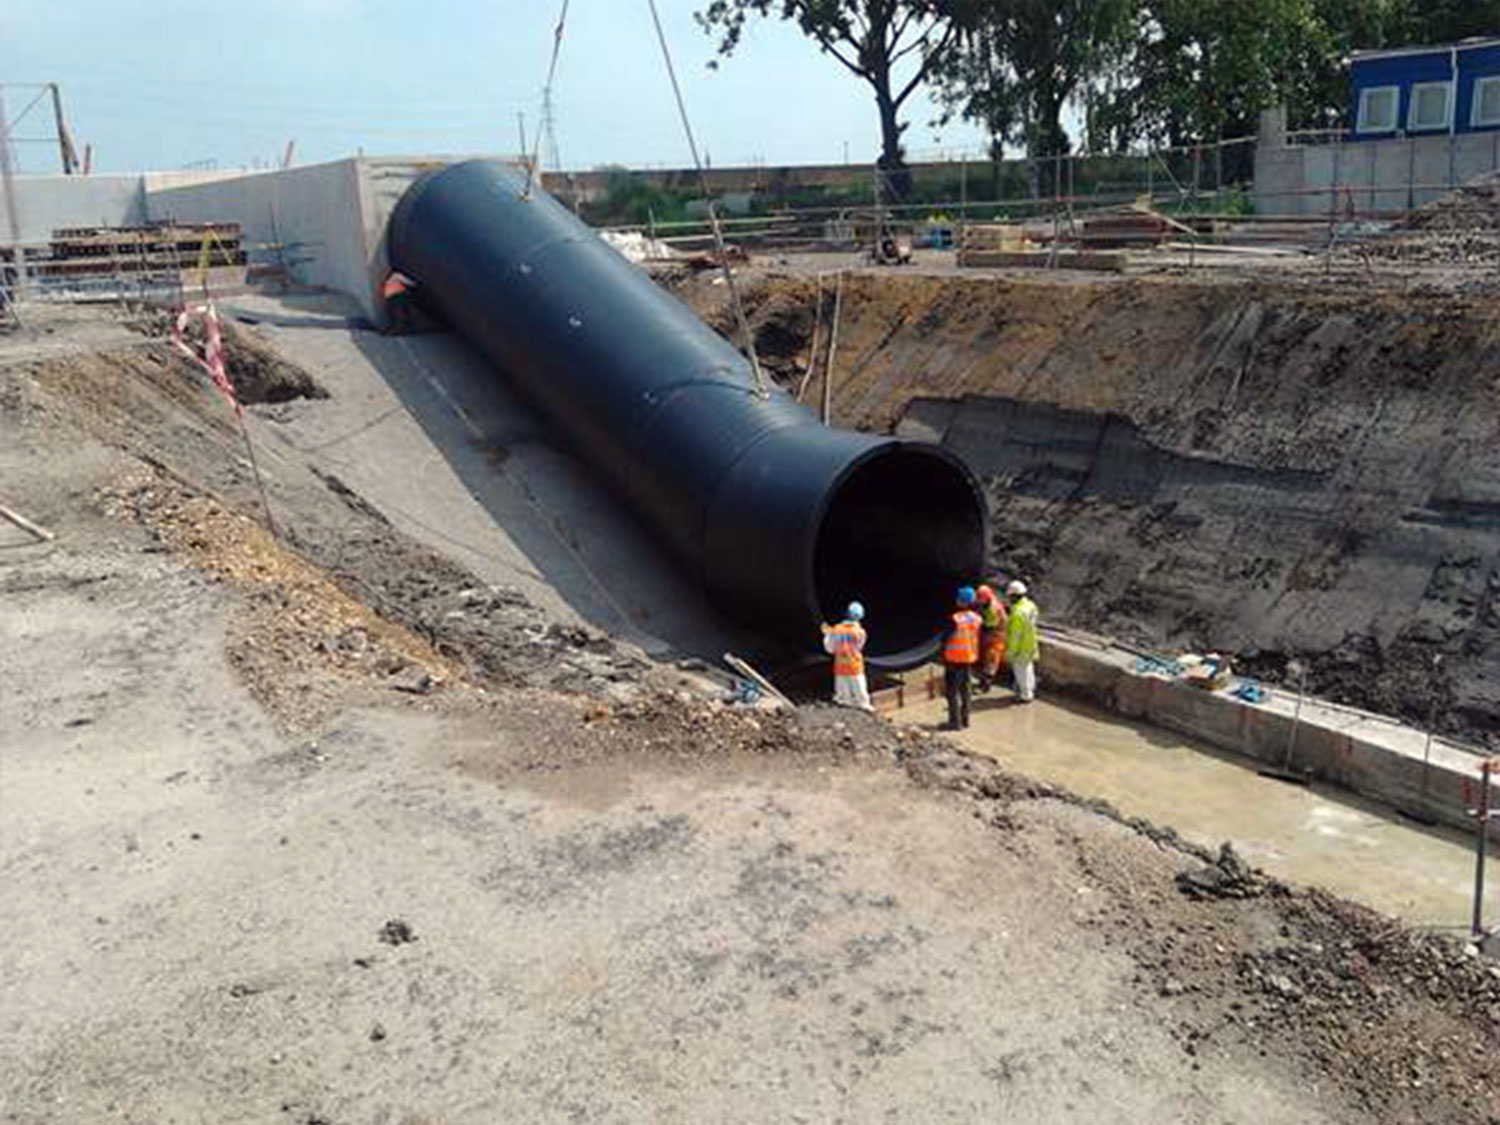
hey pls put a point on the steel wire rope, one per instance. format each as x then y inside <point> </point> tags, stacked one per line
<point>743,324</point>
<point>536,153</point>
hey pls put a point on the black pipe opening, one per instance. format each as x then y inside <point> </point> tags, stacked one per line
<point>901,532</point>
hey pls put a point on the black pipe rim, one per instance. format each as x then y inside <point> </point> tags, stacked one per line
<point>916,655</point>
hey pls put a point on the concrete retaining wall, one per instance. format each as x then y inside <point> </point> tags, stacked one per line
<point>328,218</point>
<point>316,212</point>
<point>1366,754</point>
<point>1374,177</point>
<point>46,203</point>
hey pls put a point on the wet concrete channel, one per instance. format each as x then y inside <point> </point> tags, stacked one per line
<point>1313,835</point>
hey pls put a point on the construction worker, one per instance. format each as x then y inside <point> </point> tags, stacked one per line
<point>845,642</point>
<point>991,637</point>
<point>1021,646</point>
<point>960,655</point>
<point>396,292</point>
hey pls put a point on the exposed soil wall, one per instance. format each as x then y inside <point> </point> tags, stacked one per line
<point>1274,470</point>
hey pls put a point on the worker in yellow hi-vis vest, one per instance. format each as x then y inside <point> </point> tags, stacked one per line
<point>1022,649</point>
<point>845,642</point>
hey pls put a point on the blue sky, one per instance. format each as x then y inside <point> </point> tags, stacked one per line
<point>166,83</point>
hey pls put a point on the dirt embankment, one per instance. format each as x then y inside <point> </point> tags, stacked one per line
<point>1277,471</point>
<point>336,586</point>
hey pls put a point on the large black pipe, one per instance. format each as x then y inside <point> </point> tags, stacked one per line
<point>782,519</point>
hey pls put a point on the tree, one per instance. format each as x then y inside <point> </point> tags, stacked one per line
<point>1429,22</point>
<point>1203,70</point>
<point>869,38</point>
<point>1018,63</point>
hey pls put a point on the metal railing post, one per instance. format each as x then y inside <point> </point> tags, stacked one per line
<point>1482,817</point>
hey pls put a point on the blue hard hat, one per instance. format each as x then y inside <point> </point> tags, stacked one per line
<point>856,612</point>
<point>966,595</point>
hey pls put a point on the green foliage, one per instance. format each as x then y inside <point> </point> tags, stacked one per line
<point>1204,69</point>
<point>1176,72</point>
<point>1019,62</point>
<point>1439,21</point>
<point>1154,72</point>
<point>630,201</point>
<point>869,38</point>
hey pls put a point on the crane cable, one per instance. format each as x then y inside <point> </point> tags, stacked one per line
<point>536,154</point>
<point>743,324</point>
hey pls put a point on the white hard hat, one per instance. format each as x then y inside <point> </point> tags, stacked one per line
<point>1016,589</point>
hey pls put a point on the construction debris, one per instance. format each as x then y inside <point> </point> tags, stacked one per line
<point>1098,260</point>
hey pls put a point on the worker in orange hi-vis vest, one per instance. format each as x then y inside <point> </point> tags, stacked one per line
<point>845,642</point>
<point>960,655</point>
<point>991,636</point>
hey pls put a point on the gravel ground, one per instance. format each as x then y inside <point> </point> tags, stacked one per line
<point>274,851</point>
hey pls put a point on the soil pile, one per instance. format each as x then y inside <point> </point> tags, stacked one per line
<point>1475,206</point>
<point>259,375</point>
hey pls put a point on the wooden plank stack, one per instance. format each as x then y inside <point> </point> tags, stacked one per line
<point>156,259</point>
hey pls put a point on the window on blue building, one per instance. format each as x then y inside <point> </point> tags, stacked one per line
<point>1431,107</point>
<point>1378,109</point>
<point>1486,102</point>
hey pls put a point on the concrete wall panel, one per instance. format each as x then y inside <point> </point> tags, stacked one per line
<point>45,203</point>
<point>314,212</point>
<point>1391,170</point>
<point>1385,177</point>
<point>1475,155</point>
<point>1375,757</point>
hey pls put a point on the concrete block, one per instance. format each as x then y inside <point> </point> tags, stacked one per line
<point>313,211</point>
<point>1365,754</point>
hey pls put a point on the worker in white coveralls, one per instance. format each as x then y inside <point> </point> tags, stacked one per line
<point>1022,648</point>
<point>845,642</point>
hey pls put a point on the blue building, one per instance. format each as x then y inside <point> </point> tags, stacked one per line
<point>1419,91</point>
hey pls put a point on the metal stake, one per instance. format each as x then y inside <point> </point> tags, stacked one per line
<point>1482,819</point>
<point>1285,773</point>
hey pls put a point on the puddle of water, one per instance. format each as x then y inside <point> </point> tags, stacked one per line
<point>1311,835</point>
